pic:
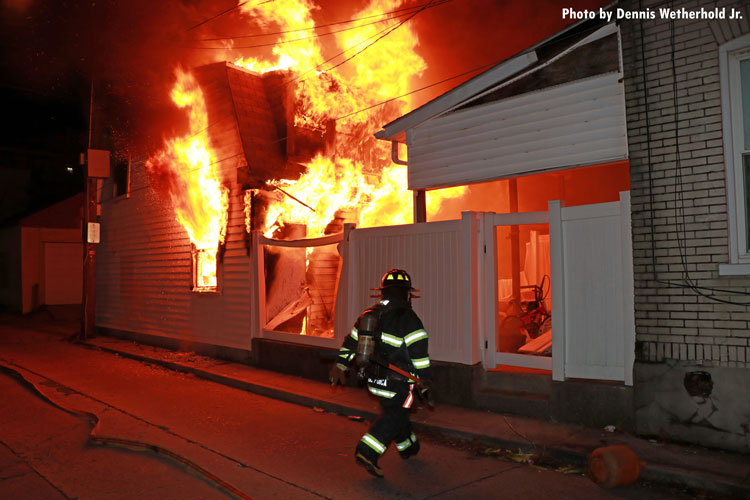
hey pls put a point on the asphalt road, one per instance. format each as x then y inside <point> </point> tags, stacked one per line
<point>265,448</point>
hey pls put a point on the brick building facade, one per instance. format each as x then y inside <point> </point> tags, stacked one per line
<point>687,134</point>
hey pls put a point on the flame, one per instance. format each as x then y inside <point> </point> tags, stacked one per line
<point>186,171</point>
<point>359,177</point>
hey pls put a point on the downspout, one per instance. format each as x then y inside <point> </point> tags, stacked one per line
<point>420,198</point>
<point>394,154</point>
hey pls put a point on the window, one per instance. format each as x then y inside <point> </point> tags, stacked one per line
<point>205,277</point>
<point>735,89</point>
<point>121,175</point>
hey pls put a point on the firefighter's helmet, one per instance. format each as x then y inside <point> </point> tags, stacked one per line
<point>396,278</point>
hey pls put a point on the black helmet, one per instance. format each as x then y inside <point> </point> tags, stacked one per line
<point>396,278</point>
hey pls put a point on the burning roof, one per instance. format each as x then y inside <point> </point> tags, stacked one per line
<point>292,130</point>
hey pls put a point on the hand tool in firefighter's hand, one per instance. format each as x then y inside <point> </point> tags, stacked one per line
<point>406,374</point>
<point>423,386</point>
<point>383,362</point>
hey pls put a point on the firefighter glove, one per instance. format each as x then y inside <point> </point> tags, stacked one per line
<point>337,375</point>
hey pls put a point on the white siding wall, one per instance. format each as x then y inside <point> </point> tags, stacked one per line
<point>434,254</point>
<point>144,272</point>
<point>579,123</point>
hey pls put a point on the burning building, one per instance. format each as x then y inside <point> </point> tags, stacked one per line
<point>281,147</point>
<point>258,232</point>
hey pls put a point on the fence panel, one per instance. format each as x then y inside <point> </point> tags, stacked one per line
<point>434,255</point>
<point>598,334</point>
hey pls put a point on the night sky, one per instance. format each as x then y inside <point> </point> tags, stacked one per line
<point>52,53</point>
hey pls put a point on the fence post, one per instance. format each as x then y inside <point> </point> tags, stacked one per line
<point>628,288</point>
<point>470,306</point>
<point>345,290</point>
<point>557,283</point>
<point>486,252</point>
<point>258,288</point>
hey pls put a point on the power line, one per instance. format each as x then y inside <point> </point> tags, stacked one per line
<point>375,41</point>
<point>299,77</point>
<point>383,33</point>
<point>417,90</point>
<point>316,68</point>
<point>679,216</point>
<point>224,12</point>
<point>478,68</point>
<point>318,26</point>
<point>280,42</point>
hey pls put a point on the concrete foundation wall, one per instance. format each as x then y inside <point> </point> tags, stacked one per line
<point>692,403</point>
<point>593,403</point>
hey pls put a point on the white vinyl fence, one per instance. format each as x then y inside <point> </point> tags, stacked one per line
<point>438,256</point>
<point>453,263</point>
<point>593,322</point>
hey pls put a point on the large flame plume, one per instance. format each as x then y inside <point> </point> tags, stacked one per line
<point>186,171</point>
<point>359,177</point>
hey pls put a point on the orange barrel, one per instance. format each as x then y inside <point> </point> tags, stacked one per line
<point>614,466</point>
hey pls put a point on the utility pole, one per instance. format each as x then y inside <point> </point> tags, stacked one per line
<point>97,166</point>
<point>89,257</point>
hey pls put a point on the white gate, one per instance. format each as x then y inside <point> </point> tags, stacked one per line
<point>488,277</point>
<point>593,321</point>
<point>440,257</point>
<point>592,291</point>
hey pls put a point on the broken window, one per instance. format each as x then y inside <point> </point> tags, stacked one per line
<point>205,276</point>
<point>301,285</point>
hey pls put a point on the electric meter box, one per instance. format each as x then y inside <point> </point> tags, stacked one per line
<point>98,163</point>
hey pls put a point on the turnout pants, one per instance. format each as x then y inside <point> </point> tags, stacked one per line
<point>393,425</point>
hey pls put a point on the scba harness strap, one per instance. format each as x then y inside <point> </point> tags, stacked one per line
<point>371,354</point>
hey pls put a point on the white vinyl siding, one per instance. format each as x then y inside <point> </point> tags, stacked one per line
<point>144,272</point>
<point>574,124</point>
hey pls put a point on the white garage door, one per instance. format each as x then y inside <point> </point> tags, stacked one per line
<point>63,273</point>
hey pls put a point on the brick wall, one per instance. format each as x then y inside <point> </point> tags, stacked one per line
<point>680,220</point>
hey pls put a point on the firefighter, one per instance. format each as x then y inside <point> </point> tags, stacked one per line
<point>390,332</point>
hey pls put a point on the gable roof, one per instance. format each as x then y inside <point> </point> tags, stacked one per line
<point>509,71</point>
<point>65,214</point>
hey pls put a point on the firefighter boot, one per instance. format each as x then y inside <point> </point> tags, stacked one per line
<point>408,447</point>
<point>367,456</point>
<point>372,467</point>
